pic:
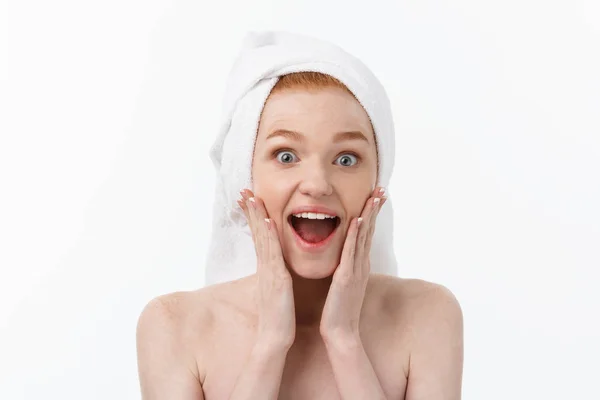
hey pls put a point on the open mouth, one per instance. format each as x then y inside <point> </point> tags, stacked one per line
<point>314,230</point>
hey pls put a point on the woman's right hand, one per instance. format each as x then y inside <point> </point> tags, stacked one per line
<point>276,311</point>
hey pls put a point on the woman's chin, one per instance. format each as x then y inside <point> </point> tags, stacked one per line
<point>309,264</point>
<point>313,269</point>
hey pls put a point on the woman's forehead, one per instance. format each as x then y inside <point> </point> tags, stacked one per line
<point>327,111</point>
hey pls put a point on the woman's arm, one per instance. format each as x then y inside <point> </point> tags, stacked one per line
<point>436,358</point>
<point>353,371</point>
<point>261,376</point>
<point>166,370</point>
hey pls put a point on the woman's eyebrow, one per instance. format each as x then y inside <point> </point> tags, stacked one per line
<point>299,137</point>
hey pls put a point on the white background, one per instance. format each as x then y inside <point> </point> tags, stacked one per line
<point>108,111</point>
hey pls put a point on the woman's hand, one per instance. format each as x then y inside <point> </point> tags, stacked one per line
<point>341,313</point>
<point>276,311</point>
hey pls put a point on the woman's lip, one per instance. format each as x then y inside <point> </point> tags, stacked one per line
<point>313,247</point>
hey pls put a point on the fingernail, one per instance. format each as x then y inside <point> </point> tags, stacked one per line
<point>251,199</point>
<point>382,191</point>
<point>359,221</point>
<point>268,222</point>
<point>376,200</point>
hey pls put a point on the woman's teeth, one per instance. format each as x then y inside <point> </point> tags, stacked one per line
<point>310,215</point>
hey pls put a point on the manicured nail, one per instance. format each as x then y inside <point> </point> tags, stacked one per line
<point>251,199</point>
<point>382,191</point>
<point>376,201</point>
<point>359,221</point>
<point>268,222</point>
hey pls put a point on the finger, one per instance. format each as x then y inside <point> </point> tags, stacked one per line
<point>244,209</point>
<point>245,194</point>
<point>374,212</point>
<point>253,207</point>
<point>379,191</point>
<point>369,240</point>
<point>248,193</point>
<point>259,228</point>
<point>244,205</point>
<point>366,215</point>
<point>241,203</point>
<point>361,249</point>
<point>269,250</point>
<point>275,254</point>
<point>250,219</point>
<point>349,249</point>
<point>255,225</point>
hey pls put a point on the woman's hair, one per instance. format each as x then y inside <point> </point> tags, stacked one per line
<point>308,80</point>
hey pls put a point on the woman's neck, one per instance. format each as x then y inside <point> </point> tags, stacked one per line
<point>309,299</point>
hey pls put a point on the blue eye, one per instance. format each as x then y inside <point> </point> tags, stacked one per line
<point>287,158</point>
<point>347,157</point>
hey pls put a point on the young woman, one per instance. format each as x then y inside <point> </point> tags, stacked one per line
<point>313,322</point>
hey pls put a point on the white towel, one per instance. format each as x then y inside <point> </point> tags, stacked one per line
<point>265,56</point>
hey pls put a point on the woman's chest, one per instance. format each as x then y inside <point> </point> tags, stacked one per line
<point>307,373</point>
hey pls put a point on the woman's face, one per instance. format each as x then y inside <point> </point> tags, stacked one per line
<point>302,158</point>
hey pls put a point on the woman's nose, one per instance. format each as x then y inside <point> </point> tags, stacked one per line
<point>315,181</point>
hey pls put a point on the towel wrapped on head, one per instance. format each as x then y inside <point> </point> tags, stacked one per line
<point>264,57</point>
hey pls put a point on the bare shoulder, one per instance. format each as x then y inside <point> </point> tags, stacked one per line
<point>186,321</point>
<point>416,298</point>
<point>419,307</point>
<point>430,319</point>
<point>187,313</point>
<point>169,330</point>
<point>178,313</point>
<point>433,306</point>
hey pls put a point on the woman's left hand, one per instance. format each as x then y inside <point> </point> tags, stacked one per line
<point>341,313</point>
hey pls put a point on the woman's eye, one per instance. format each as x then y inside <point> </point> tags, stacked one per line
<point>285,156</point>
<point>346,160</point>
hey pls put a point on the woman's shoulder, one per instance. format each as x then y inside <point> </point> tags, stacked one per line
<point>176,307</point>
<point>176,315</point>
<point>428,322</point>
<point>183,323</point>
<point>194,311</point>
<point>200,306</point>
<point>409,288</point>
<point>415,301</point>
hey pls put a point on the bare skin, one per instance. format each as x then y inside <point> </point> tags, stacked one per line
<point>215,328</point>
<point>196,345</point>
